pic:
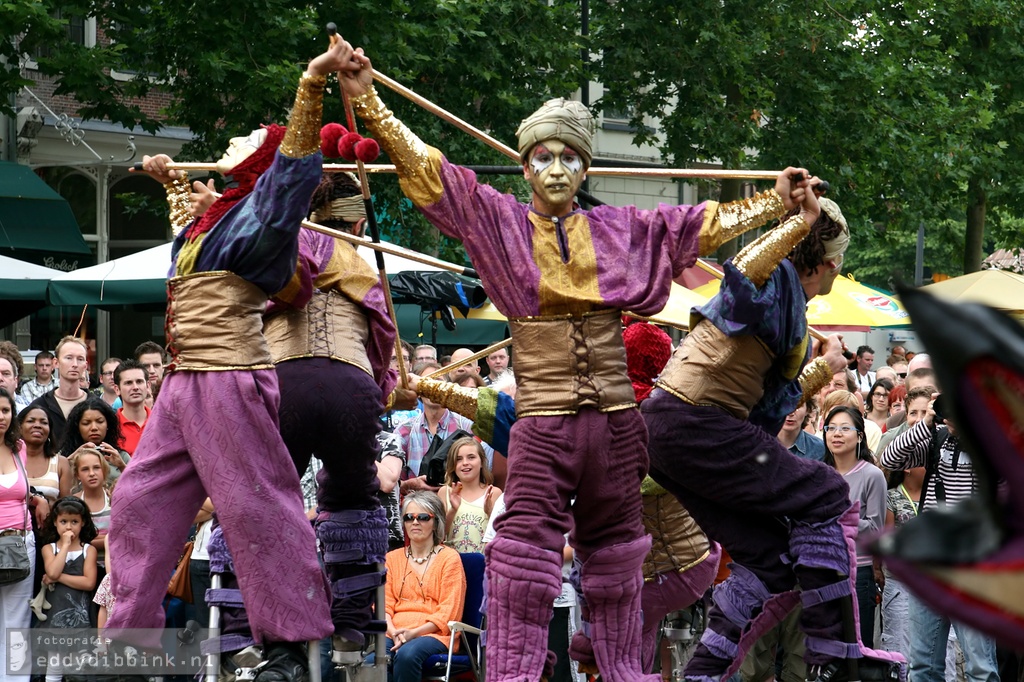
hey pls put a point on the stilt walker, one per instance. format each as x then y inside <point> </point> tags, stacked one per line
<point>713,420</point>
<point>562,275</point>
<point>215,429</point>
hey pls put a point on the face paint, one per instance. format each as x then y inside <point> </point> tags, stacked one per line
<point>239,149</point>
<point>556,173</point>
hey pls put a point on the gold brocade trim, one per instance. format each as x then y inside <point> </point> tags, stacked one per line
<point>744,215</point>
<point>407,152</point>
<point>302,137</point>
<point>710,236</point>
<point>669,389</point>
<point>458,399</point>
<point>178,199</point>
<point>568,286</point>
<point>815,377</point>
<point>226,368</point>
<point>759,259</point>
<point>562,413</point>
<point>687,567</point>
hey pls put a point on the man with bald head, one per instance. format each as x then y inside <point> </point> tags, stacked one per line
<point>560,276</point>
<point>468,368</point>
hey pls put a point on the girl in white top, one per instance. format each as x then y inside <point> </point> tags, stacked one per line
<point>90,470</point>
<point>468,496</point>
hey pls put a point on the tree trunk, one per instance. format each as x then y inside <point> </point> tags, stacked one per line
<point>976,204</point>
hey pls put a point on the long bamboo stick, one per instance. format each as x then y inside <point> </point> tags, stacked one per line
<point>702,173</point>
<point>475,356</point>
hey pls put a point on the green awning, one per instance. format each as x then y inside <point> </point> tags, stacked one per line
<point>33,216</point>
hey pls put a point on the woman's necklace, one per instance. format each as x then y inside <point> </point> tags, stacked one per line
<point>420,559</point>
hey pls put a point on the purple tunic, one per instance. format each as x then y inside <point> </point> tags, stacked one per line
<point>328,264</point>
<point>531,264</point>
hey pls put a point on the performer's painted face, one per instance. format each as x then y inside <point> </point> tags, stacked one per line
<point>239,149</point>
<point>829,277</point>
<point>555,171</point>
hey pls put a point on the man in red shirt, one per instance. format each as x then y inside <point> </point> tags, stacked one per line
<point>130,383</point>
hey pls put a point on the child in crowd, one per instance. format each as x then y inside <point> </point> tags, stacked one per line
<point>105,594</point>
<point>70,566</point>
<point>91,471</point>
<point>468,496</point>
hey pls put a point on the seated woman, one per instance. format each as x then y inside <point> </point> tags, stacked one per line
<point>93,427</point>
<point>426,588</point>
<point>468,495</point>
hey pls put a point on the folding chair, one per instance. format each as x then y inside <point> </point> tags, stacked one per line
<point>465,665</point>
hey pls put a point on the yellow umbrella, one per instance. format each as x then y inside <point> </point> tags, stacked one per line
<point>995,288</point>
<point>849,304</point>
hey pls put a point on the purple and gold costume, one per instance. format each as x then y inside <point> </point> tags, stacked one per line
<point>562,282</point>
<point>214,431</point>
<point>713,420</point>
<point>333,357</point>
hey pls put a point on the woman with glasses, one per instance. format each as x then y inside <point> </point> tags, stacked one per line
<point>426,588</point>
<point>846,450</point>
<point>877,402</point>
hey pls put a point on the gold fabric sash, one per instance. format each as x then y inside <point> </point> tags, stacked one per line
<point>710,368</point>
<point>564,363</point>
<point>330,326</point>
<point>215,323</point>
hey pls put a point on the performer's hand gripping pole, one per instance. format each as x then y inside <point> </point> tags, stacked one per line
<point>371,221</point>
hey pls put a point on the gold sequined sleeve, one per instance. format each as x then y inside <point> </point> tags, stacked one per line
<point>178,200</point>
<point>407,152</point>
<point>759,258</point>
<point>723,222</point>
<point>302,137</point>
<point>815,377</point>
<point>458,399</point>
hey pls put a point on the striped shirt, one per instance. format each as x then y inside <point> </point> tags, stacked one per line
<point>912,448</point>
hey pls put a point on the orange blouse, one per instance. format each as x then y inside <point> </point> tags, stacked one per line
<point>436,598</point>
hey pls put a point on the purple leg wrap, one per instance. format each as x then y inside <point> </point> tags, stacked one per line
<point>522,583</point>
<point>673,591</point>
<point>612,580</point>
<point>581,649</point>
<point>826,564</point>
<point>353,542</point>
<point>214,434</point>
<point>220,556</point>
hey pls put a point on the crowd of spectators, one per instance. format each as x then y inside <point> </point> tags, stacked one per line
<point>876,427</point>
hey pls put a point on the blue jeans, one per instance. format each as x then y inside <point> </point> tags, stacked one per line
<point>928,635</point>
<point>406,664</point>
<point>866,592</point>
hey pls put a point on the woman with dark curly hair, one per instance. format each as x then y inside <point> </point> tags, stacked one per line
<point>93,427</point>
<point>877,402</point>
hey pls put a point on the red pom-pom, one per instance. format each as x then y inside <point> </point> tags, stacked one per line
<point>347,146</point>
<point>367,150</point>
<point>330,135</point>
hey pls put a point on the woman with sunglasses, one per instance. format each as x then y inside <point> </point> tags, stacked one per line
<point>847,451</point>
<point>426,588</point>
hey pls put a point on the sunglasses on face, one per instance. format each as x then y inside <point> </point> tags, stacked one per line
<point>422,518</point>
<point>901,375</point>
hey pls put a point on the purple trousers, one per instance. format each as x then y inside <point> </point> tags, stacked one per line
<point>739,483</point>
<point>216,434</point>
<point>601,459</point>
<point>598,457</point>
<point>674,591</point>
<point>749,493</point>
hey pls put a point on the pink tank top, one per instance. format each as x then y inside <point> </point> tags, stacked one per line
<point>12,499</point>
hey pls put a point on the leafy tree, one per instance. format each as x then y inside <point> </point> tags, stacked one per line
<point>910,109</point>
<point>230,66</point>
